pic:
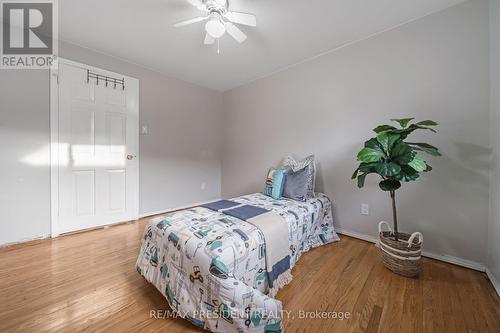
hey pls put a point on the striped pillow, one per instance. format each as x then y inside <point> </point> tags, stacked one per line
<point>308,163</point>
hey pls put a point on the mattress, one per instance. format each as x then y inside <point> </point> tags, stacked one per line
<point>211,267</point>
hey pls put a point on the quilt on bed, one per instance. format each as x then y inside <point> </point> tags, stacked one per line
<point>211,267</point>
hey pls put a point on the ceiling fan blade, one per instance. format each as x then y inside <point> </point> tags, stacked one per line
<point>191,21</point>
<point>209,40</point>
<point>196,3</point>
<point>242,18</point>
<point>235,32</point>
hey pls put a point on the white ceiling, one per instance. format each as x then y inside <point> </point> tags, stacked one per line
<point>289,31</point>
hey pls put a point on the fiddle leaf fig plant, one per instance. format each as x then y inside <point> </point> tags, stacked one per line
<point>392,157</point>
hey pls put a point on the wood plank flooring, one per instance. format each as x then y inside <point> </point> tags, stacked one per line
<point>87,282</point>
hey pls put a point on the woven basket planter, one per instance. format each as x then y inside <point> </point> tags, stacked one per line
<point>403,257</point>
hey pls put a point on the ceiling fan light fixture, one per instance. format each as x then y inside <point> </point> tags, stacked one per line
<point>219,20</point>
<point>215,28</point>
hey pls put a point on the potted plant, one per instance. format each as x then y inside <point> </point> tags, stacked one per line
<point>395,160</point>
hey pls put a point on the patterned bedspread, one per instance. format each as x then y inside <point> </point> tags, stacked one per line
<point>211,267</point>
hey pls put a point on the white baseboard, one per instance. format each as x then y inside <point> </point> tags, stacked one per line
<point>168,210</point>
<point>494,281</point>
<point>442,257</point>
<point>164,211</point>
<point>357,235</point>
<point>456,261</point>
<point>25,240</point>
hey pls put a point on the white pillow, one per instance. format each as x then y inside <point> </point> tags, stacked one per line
<point>296,165</point>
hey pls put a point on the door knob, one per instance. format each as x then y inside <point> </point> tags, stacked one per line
<point>130,157</point>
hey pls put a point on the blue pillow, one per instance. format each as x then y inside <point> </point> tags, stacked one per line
<point>275,183</point>
<point>296,184</point>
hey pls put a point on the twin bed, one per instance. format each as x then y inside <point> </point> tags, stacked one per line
<point>211,266</point>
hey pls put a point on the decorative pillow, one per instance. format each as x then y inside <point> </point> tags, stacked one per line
<point>296,185</point>
<point>307,163</point>
<point>274,183</point>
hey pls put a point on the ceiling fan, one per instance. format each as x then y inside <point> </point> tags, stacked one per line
<point>220,20</point>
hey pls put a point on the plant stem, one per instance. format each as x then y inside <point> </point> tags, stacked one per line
<point>394,215</point>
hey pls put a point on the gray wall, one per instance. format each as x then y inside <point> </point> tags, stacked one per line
<point>24,161</point>
<point>436,68</point>
<point>181,151</point>
<point>494,225</point>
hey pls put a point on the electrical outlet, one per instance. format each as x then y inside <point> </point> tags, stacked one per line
<point>365,209</point>
<point>203,186</point>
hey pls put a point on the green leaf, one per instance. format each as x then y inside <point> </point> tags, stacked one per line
<point>407,174</point>
<point>429,168</point>
<point>388,169</point>
<point>389,185</point>
<point>429,151</point>
<point>368,167</point>
<point>415,127</point>
<point>407,131</point>
<point>355,174</point>
<point>362,171</point>
<point>418,164</point>
<point>361,180</point>
<point>373,143</point>
<point>383,128</point>
<point>427,123</point>
<point>368,155</point>
<point>387,140</point>
<point>403,122</point>
<point>422,144</point>
<point>402,153</point>
<point>426,148</point>
<point>365,168</point>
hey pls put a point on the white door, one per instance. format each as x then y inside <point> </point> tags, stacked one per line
<point>98,162</point>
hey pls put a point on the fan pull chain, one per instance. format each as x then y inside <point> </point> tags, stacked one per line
<point>218,46</point>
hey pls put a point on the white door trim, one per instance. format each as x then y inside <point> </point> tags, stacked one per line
<point>54,138</point>
<point>54,152</point>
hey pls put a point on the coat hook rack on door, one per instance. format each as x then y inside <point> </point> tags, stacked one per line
<point>106,79</point>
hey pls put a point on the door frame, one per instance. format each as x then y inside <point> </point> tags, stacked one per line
<point>54,138</point>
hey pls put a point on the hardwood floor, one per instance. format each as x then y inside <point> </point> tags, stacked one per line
<point>88,282</point>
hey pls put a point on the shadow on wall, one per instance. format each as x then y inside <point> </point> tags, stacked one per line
<point>450,204</point>
<point>470,171</point>
<point>447,204</point>
<point>319,185</point>
<point>478,158</point>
